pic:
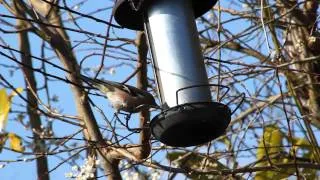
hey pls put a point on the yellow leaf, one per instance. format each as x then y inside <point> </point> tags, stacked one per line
<point>302,142</point>
<point>15,142</point>
<point>5,105</point>
<point>271,141</point>
<point>14,93</point>
<point>4,108</point>
<point>270,144</point>
<point>308,150</point>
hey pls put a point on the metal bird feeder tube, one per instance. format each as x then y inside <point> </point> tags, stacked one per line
<point>191,118</point>
<point>177,56</point>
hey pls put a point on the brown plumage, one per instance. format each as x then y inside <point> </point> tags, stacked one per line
<point>123,97</point>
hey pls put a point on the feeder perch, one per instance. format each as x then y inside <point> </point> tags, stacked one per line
<point>191,117</point>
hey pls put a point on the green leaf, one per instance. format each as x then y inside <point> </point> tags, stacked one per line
<point>196,161</point>
<point>309,173</point>
<point>309,153</point>
<point>270,147</point>
<point>270,143</point>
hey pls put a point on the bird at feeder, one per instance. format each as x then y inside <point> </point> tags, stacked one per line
<point>123,97</point>
<point>190,116</point>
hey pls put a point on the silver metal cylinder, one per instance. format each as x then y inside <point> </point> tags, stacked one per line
<point>176,50</point>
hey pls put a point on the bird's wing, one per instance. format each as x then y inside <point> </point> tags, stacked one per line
<point>99,84</point>
<point>108,85</point>
<point>133,91</point>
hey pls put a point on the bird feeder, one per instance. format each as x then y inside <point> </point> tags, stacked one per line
<point>190,117</point>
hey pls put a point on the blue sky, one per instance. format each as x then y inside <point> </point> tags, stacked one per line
<point>26,170</point>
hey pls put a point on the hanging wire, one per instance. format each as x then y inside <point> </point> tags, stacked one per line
<point>242,95</point>
<point>201,85</point>
<point>136,4</point>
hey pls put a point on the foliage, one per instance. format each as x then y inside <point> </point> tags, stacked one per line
<point>271,152</point>
<point>5,105</point>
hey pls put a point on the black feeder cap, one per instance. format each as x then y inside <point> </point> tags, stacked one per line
<point>191,124</point>
<point>132,19</point>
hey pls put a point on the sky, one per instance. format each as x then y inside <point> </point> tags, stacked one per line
<point>26,170</point>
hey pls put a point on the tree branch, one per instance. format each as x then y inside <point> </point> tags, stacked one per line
<point>35,121</point>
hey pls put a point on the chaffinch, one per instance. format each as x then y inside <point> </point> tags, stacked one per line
<point>123,97</point>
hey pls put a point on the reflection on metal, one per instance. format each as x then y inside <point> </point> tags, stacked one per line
<point>175,42</point>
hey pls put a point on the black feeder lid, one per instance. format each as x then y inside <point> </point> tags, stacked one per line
<point>191,124</point>
<point>132,19</point>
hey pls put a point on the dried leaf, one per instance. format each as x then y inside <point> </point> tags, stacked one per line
<point>3,139</point>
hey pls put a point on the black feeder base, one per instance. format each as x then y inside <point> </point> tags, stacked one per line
<point>129,18</point>
<point>191,124</point>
